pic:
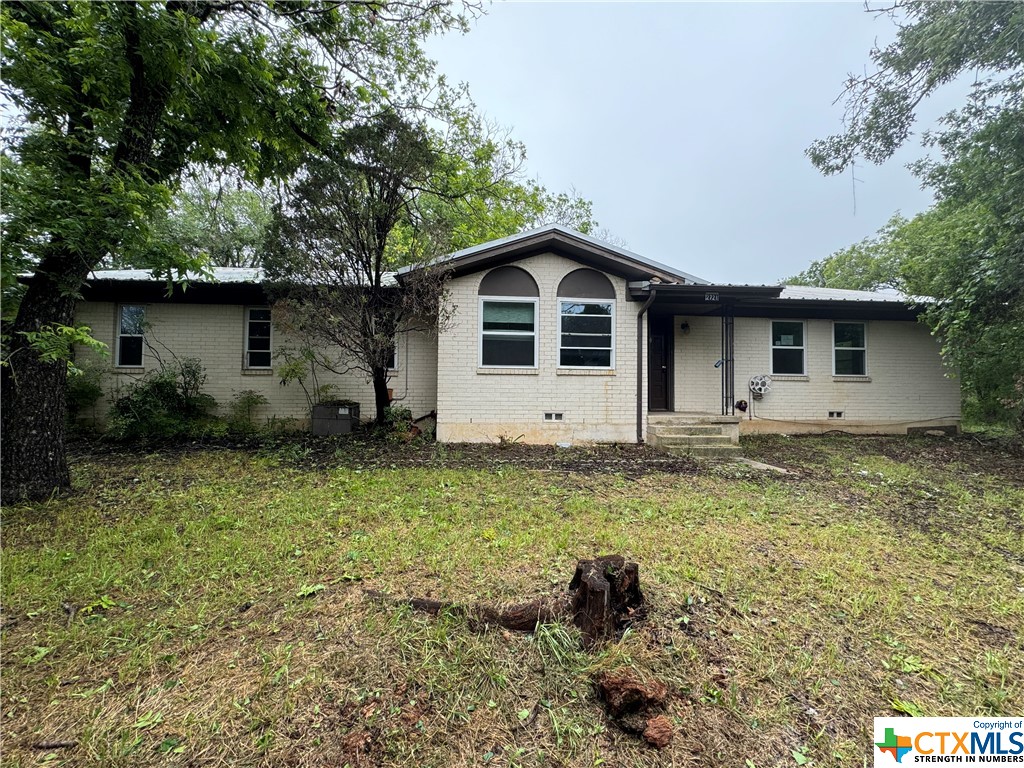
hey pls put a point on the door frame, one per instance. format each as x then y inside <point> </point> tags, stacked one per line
<point>665,326</point>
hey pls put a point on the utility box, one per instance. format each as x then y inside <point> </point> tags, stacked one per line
<point>338,418</point>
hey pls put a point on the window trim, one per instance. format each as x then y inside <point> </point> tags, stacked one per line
<point>863,349</point>
<point>535,300</point>
<point>119,336</point>
<point>611,357</point>
<point>772,347</point>
<point>245,345</point>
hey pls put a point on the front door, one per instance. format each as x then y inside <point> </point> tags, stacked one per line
<point>659,393</point>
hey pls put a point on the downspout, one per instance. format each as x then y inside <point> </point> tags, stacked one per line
<point>640,365</point>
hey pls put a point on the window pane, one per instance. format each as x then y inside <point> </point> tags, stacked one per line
<point>508,350</point>
<point>850,362</point>
<point>599,358</point>
<point>787,334</point>
<point>578,340</point>
<point>259,343</point>
<point>849,334</point>
<point>129,351</point>
<point>132,319</point>
<point>570,308</point>
<point>259,330</point>
<point>508,316</point>
<point>259,314</point>
<point>788,361</point>
<point>584,324</point>
<point>259,359</point>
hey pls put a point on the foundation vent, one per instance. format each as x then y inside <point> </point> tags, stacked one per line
<point>835,414</point>
<point>553,416</point>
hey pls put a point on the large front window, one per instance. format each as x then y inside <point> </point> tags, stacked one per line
<point>508,333</point>
<point>850,349</point>
<point>788,348</point>
<point>586,337</point>
<point>131,319</point>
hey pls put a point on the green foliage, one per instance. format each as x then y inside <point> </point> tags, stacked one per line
<point>168,403</point>
<point>398,418</point>
<point>54,343</point>
<point>243,407</point>
<point>864,266</point>
<point>967,251</point>
<point>85,388</point>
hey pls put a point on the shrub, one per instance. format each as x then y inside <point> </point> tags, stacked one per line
<point>166,404</point>
<point>243,406</point>
<point>85,388</point>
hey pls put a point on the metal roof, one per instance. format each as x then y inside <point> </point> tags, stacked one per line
<point>217,275</point>
<point>811,293</point>
<point>224,275</point>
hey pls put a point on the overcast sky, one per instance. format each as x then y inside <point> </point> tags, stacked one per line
<point>686,123</point>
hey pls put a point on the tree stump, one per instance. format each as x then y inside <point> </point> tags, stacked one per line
<point>606,596</point>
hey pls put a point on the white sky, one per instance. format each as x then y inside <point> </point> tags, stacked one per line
<point>686,123</point>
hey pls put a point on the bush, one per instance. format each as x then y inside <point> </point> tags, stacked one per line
<point>85,388</point>
<point>169,403</point>
<point>243,406</point>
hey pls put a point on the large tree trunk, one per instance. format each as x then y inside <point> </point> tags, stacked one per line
<point>381,398</point>
<point>35,400</point>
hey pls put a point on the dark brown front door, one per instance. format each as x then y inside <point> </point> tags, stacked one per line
<point>659,364</point>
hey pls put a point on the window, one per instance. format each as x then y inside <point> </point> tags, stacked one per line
<point>131,319</point>
<point>585,333</point>
<point>849,349</point>
<point>788,348</point>
<point>508,333</point>
<point>257,337</point>
<point>586,323</point>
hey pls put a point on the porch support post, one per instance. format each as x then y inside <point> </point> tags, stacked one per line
<point>640,344</point>
<point>728,350</point>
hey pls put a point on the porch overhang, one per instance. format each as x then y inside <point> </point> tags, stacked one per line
<point>768,301</point>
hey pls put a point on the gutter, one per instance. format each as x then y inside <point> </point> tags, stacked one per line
<point>640,364</point>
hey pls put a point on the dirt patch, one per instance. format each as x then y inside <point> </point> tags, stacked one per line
<point>367,452</point>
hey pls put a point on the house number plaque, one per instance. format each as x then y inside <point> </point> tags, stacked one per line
<point>710,297</point>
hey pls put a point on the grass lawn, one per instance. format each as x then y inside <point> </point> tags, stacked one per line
<point>207,607</point>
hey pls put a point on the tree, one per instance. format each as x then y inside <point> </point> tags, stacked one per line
<point>968,249</point>
<point>864,266</point>
<point>219,218</point>
<point>349,223</point>
<point>116,99</point>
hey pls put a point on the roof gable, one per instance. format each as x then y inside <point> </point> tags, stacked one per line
<point>554,238</point>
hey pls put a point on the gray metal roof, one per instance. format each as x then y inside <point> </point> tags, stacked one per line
<point>217,275</point>
<point>811,293</point>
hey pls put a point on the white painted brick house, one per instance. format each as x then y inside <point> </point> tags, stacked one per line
<point>558,337</point>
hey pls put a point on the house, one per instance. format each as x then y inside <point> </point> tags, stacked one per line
<point>560,338</point>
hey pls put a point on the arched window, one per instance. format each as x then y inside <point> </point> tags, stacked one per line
<point>586,320</point>
<point>508,319</point>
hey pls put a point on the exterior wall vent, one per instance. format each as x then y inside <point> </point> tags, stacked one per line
<point>835,414</point>
<point>553,416</point>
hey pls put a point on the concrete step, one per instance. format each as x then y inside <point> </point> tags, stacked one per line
<point>669,440</point>
<point>708,451</point>
<point>669,430</point>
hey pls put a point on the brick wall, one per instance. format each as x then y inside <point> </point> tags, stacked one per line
<point>215,333</point>
<point>906,382</point>
<point>475,404</point>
